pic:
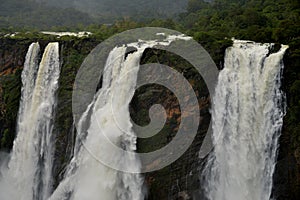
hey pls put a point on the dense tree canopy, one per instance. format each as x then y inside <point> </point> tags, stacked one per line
<point>259,20</point>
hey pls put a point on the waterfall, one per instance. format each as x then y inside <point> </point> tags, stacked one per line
<point>105,125</point>
<point>95,179</point>
<point>29,172</point>
<point>44,103</point>
<point>247,113</point>
<point>87,177</point>
<point>28,80</point>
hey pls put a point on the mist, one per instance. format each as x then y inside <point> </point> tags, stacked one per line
<point>123,8</point>
<point>43,14</point>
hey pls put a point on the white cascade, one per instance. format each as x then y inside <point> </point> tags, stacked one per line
<point>247,114</point>
<point>95,180</point>
<point>28,175</point>
<point>109,125</point>
<point>87,177</point>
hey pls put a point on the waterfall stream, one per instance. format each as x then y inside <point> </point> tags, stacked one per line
<point>247,113</point>
<point>248,110</point>
<point>109,125</point>
<point>29,172</point>
<point>89,177</point>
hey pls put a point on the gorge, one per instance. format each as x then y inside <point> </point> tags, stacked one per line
<point>266,63</point>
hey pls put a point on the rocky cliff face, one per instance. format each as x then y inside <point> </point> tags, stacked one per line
<point>12,55</point>
<point>287,172</point>
<point>181,179</point>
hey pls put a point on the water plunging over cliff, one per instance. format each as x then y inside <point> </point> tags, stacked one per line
<point>104,125</point>
<point>29,172</point>
<point>247,118</point>
<point>87,177</point>
<point>248,110</point>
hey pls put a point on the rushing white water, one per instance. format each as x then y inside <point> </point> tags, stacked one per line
<point>60,34</point>
<point>44,101</point>
<point>109,125</point>
<point>247,115</point>
<point>29,172</point>
<point>92,179</point>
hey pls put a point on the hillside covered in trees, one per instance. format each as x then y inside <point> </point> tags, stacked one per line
<point>40,14</point>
